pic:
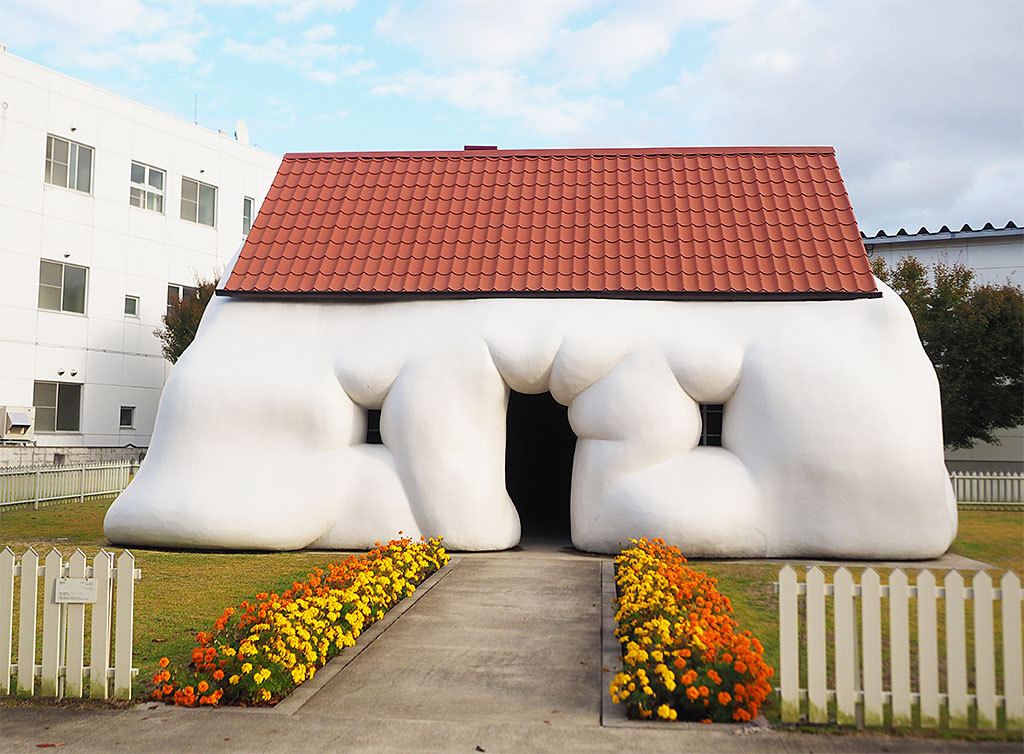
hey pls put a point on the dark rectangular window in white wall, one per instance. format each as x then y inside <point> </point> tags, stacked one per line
<point>248,205</point>
<point>62,287</point>
<point>198,202</point>
<point>68,164</point>
<point>58,406</point>
<point>711,415</point>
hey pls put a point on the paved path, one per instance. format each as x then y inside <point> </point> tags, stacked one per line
<point>501,654</point>
<point>492,640</point>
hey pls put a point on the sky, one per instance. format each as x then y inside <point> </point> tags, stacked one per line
<point>923,101</point>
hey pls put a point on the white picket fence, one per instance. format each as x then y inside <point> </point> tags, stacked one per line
<point>42,485</point>
<point>859,696</point>
<point>988,487</point>
<point>67,588</point>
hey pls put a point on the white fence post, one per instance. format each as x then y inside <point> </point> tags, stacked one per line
<point>6,616</point>
<point>871,609</point>
<point>123,638</point>
<point>789,646</point>
<point>928,649</point>
<point>74,659</point>
<point>99,655</point>
<point>817,704</point>
<point>27,622</point>
<point>53,625</point>
<point>956,651</point>
<point>1013,667</point>
<point>899,647</point>
<point>845,660</point>
<point>984,651</point>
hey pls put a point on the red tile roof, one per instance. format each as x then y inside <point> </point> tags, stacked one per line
<point>631,222</point>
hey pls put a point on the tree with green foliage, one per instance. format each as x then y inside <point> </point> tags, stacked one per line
<point>182,319</point>
<point>974,336</point>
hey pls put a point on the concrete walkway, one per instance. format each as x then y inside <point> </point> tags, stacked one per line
<point>498,653</point>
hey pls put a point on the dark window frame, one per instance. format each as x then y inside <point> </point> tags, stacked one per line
<point>64,306</point>
<point>712,419</point>
<point>373,427</point>
<point>61,405</point>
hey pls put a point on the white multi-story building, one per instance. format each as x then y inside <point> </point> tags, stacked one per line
<point>996,255</point>
<point>108,211</point>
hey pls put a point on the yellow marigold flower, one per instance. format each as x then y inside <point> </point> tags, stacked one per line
<point>247,667</point>
<point>233,680</point>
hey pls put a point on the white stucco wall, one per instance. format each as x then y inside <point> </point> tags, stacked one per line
<point>127,250</point>
<point>259,438</point>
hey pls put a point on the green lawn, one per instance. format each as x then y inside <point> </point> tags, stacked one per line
<point>179,593</point>
<point>183,592</point>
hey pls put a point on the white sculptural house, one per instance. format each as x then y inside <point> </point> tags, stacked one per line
<point>737,381</point>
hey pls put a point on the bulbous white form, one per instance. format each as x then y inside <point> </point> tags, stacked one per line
<point>832,436</point>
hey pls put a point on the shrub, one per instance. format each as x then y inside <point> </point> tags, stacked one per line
<point>682,655</point>
<point>261,650</point>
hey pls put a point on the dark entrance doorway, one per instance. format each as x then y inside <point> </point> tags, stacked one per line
<point>539,450</point>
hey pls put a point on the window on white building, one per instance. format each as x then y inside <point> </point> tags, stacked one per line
<point>176,293</point>
<point>711,423</point>
<point>127,417</point>
<point>131,306</point>
<point>373,427</point>
<point>68,164</point>
<point>147,190</point>
<point>248,204</point>
<point>198,202</point>
<point>58,406</point>
<point>62,287</point>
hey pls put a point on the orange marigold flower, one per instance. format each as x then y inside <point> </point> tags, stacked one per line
<point>741,667</point>
<point>164,662</point>
<point>692,693</point>
<point>704,690</point>
<point>188,691</point>
<point>714,676</point>
<point>724,698</point>
<point>218,674</point>
<point>168,688</point>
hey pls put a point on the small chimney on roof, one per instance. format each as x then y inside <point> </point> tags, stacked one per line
<point>478,148</point>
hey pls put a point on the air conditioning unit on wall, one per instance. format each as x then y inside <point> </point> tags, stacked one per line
<point>17,423</point>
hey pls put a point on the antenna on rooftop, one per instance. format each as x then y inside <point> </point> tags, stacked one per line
<point>195,110</point>
<point>241,132</point>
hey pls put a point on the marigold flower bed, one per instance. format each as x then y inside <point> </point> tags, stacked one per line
<point>682,658</point>
<point>261,650</point>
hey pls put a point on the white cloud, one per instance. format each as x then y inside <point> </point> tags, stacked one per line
<point>632,35</point>
<point>103,33</point>
<point>319,33</point>
<point>504,95</point>
<point>318,61</point>
<point>921,100</point>
<point>490,33</point>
